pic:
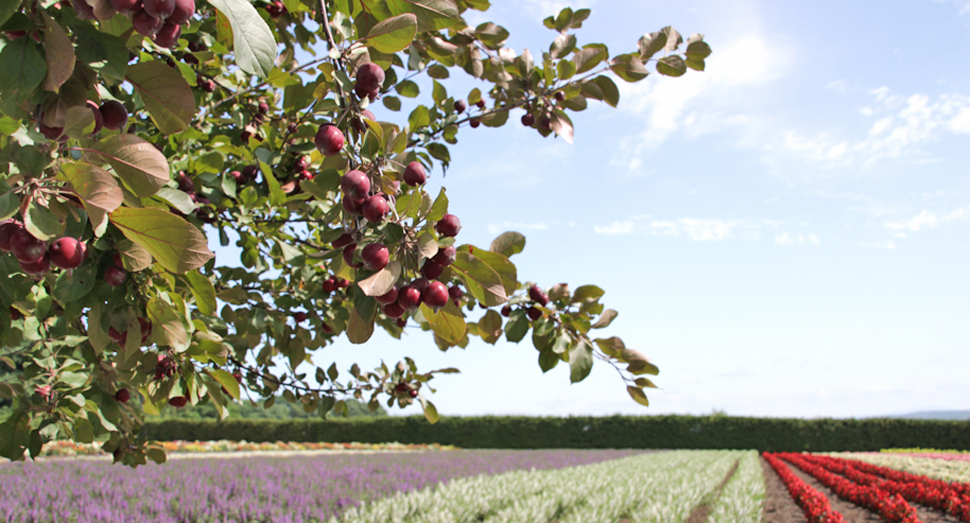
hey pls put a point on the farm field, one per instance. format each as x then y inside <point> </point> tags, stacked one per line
<point>396,483</point>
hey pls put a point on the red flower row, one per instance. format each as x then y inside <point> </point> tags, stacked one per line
<point>891,507</point>
<point>813,503</point>
<point>938,494</point>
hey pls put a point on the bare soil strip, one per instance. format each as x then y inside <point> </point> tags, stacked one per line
<point>700,513</point>
<point>779,506</point>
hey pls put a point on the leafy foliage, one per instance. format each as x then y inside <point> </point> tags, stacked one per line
<point>140,142</point>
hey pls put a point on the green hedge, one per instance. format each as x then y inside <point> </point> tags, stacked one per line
<point>656,432</point>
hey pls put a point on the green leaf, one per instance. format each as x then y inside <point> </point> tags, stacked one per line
<point>254,46</point>
<point>98,190</point>
<point>103,52</point>
<point>447,322</point>
<point>79,122</point>
<point>7,9</point>
<point>605,319</point>
<point>134,257</point>
<point>419,117</point>
<point>167,96</point>
<point>167,325</point>
<point>15,435</point>
<point>9,205</point>
<point>580,361</point>
<point>393,34</point>
<point>650,43</point>
<point>156,454</point>
<point>697,49</point>
<point>562,46</point>
<point>588,58</point>
<point>587,293</point>
<point>430,412</point>
<point>174,243</point>
<point>439,152</point>
<point>492,35</point>
<point>42,222</point>
<point>566,69</point>
<point>379,283</point>
<point>638,395</point>
<point>60,54</point>
<point>481,280</point>
<point>73,285</point>
<point>407,89</point>
<point>672,65</point>
<point>204,292</point>
<point>438,71</point>
<point>500,264</point>
<point>611,95</point>
<point>630,68</point>
<point>139,164</point>
<point>24,68</point>
<point>361,324</point>
<point>228,381</point>
<point>391,102</point>
<point>548,360</point>
<point>517,326</point>
<point>490,327</point>
<point>644,382</point>
<point>434,15</point>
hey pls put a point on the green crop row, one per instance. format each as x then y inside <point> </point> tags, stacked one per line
<point>656,432</point>
<point>658,487</point>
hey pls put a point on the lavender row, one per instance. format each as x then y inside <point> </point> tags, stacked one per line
<point>298,489</point>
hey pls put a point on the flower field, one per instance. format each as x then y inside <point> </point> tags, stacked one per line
<point>442,484</point>
<point>70,448</point>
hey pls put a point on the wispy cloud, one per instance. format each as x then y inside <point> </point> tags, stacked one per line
<point>796,239</point>
<point>926,220</point>
<point>496,228</point>
<point>899,126</point>
<point>698,103</point>
<point>707,229</point>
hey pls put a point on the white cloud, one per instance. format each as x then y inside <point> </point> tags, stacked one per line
<point>626,227</point>
<point>699,102</point>
<point>496,228</point>
<point>899,126</point>
<point>796,239</point>
<point>923,220</point>
<point>703,229</point>
<point>878,245</point>
<point>926,220</point>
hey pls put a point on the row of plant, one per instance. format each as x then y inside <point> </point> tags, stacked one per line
<point>742,498</point>
<point>953,499</point>
<point>918,450</point>
<point>299,489</point>
<point>813,503</point>
<point>889,505</point>
<point>657,487</point>
<point>71,448</point>
<point>949,471</point>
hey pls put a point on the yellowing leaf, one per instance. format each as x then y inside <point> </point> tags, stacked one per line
<point>228,381</point>
<point>379,283</point>
<point>98,190</point>
<point>174,243</point>
<point>139,164</point>
<point>393,34</point>
<point>166,94</point>
<point>60,54</point>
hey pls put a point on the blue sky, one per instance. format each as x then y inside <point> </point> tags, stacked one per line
<point>785,234</point>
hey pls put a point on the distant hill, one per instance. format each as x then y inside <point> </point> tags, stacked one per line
<point>937,414</point>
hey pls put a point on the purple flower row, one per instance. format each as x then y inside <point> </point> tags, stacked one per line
<point>272,489</point>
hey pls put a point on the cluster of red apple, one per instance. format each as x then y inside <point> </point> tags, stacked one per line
<point>529,119</point>
<point>460,107</point>
<point>36,256</point>
<point>110,115</point>
<point>275,9</point>
<point>535,294</point>
<point>160,20</point>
